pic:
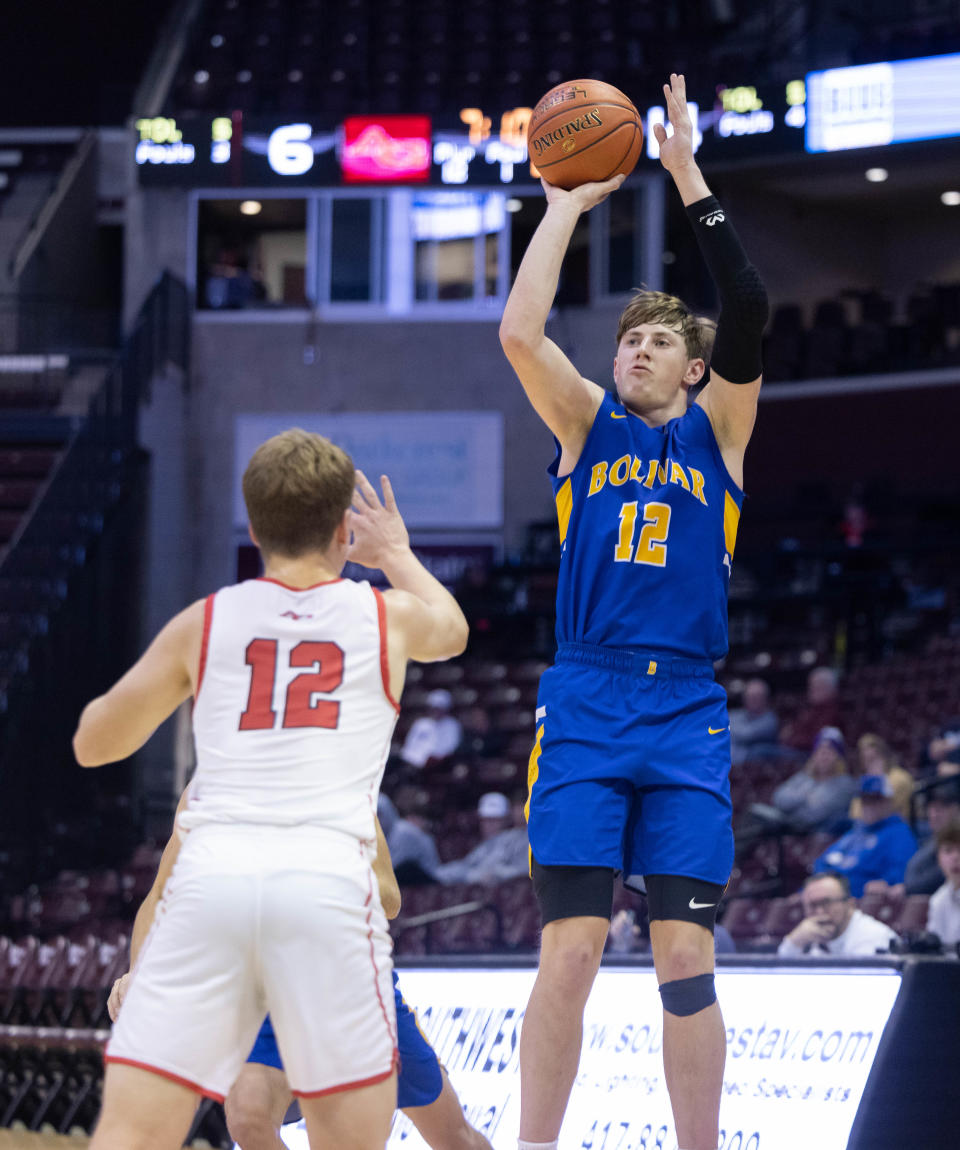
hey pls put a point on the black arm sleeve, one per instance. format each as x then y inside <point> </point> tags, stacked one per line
<point>743,298</point>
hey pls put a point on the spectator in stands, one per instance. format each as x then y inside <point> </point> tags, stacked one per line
<point>878,845</point>
<point>943,915</point>
<point>502,852</point>
<point>949,766</point>
<point>923,874</point>
<point>816,798</point>
<point>821,709</point>
<point>479,739</point>
<point>231,283</point>
<point>753,725</point>
<point>434,735</point>
<point>832,924</point>
<point>945,745</point>
<point>877,758</point>
<point>412,847</point>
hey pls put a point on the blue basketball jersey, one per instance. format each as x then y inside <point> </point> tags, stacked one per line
<point>648,522</point>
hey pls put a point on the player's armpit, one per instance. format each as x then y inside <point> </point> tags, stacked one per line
<point>118,723</point>
<point>731,409</point>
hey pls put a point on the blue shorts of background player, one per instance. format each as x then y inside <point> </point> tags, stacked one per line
<point>419,1078</point>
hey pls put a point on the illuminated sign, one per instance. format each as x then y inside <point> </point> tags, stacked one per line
<point>800,1045</point>
<point>484,148</point>
<point>161,142</point>
<point>886,103</point>
<point>385,149</point>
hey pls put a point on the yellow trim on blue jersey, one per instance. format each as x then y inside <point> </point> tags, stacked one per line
<point>564,508</point>
<point>731,522</point>
<point>533,773</point>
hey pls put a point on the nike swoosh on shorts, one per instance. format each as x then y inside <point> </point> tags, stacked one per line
<point>715,730</point>
<point>694,905</point>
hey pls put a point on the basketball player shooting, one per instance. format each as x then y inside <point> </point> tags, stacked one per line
<point>272,905</point>
<point>632,756</point>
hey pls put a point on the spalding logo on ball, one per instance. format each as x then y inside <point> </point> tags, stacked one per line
<point>584,131</point>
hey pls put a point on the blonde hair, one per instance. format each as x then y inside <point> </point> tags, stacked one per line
<point>697,331</point>
<point>886,751</point>
<point>297,487</point>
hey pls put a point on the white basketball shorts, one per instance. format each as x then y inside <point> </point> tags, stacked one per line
<point>285,920</point>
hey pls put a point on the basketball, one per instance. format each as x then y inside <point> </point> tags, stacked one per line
<point>584,131</point>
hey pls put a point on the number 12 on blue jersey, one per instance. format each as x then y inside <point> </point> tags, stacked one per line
<point>652,546</point>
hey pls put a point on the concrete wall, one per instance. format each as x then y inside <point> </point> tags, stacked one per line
<point>240,364</point>
<point>259,367</point>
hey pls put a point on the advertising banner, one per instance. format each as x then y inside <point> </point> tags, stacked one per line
<point>800,1045</point>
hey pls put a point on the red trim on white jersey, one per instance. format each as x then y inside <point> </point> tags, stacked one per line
<point>384,659</point>
<point>197,1089</point>
<point>349,1085</point>
<point>287,587</point>
<point>205,641</point>
<point>373,960</point>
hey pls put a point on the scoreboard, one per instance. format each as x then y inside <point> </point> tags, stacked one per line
<point>485,147</point>
<point>867,105</point>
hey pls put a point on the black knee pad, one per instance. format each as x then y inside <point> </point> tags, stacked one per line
<point>685,996</point>
<point>684,899</point>
<point>572,891</point>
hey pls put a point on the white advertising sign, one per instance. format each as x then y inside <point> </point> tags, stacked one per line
<point>800,1045</point>
<point>446,467</point>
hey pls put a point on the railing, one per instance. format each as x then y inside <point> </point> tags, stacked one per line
<point>79,549</point>
<point>445,914</point>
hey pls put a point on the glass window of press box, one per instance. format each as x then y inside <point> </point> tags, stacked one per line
<point>252,253</point>
<point>386,252</point>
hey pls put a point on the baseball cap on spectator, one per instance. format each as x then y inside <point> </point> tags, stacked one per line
<point>493,805</point>
<point>876,786</point>
<point>440,699</point>
<point>833,736</point>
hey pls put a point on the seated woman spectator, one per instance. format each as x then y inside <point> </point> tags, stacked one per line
<point>876,757</point>
<point>816,798</point>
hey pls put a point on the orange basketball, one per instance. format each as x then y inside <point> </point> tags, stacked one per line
<point>584,131</point>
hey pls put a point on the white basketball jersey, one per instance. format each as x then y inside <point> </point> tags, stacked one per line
<point>292,717</point>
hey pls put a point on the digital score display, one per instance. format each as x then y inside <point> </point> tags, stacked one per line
<point>487,147</point>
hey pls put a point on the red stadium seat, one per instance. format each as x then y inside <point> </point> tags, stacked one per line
<point>744,917</point>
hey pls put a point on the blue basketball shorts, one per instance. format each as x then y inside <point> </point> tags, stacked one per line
<point>630,768</point>
<point>419,1079</point>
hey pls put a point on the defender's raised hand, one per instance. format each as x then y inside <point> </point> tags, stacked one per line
<point>378,530</point>
<point>675,150</point>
